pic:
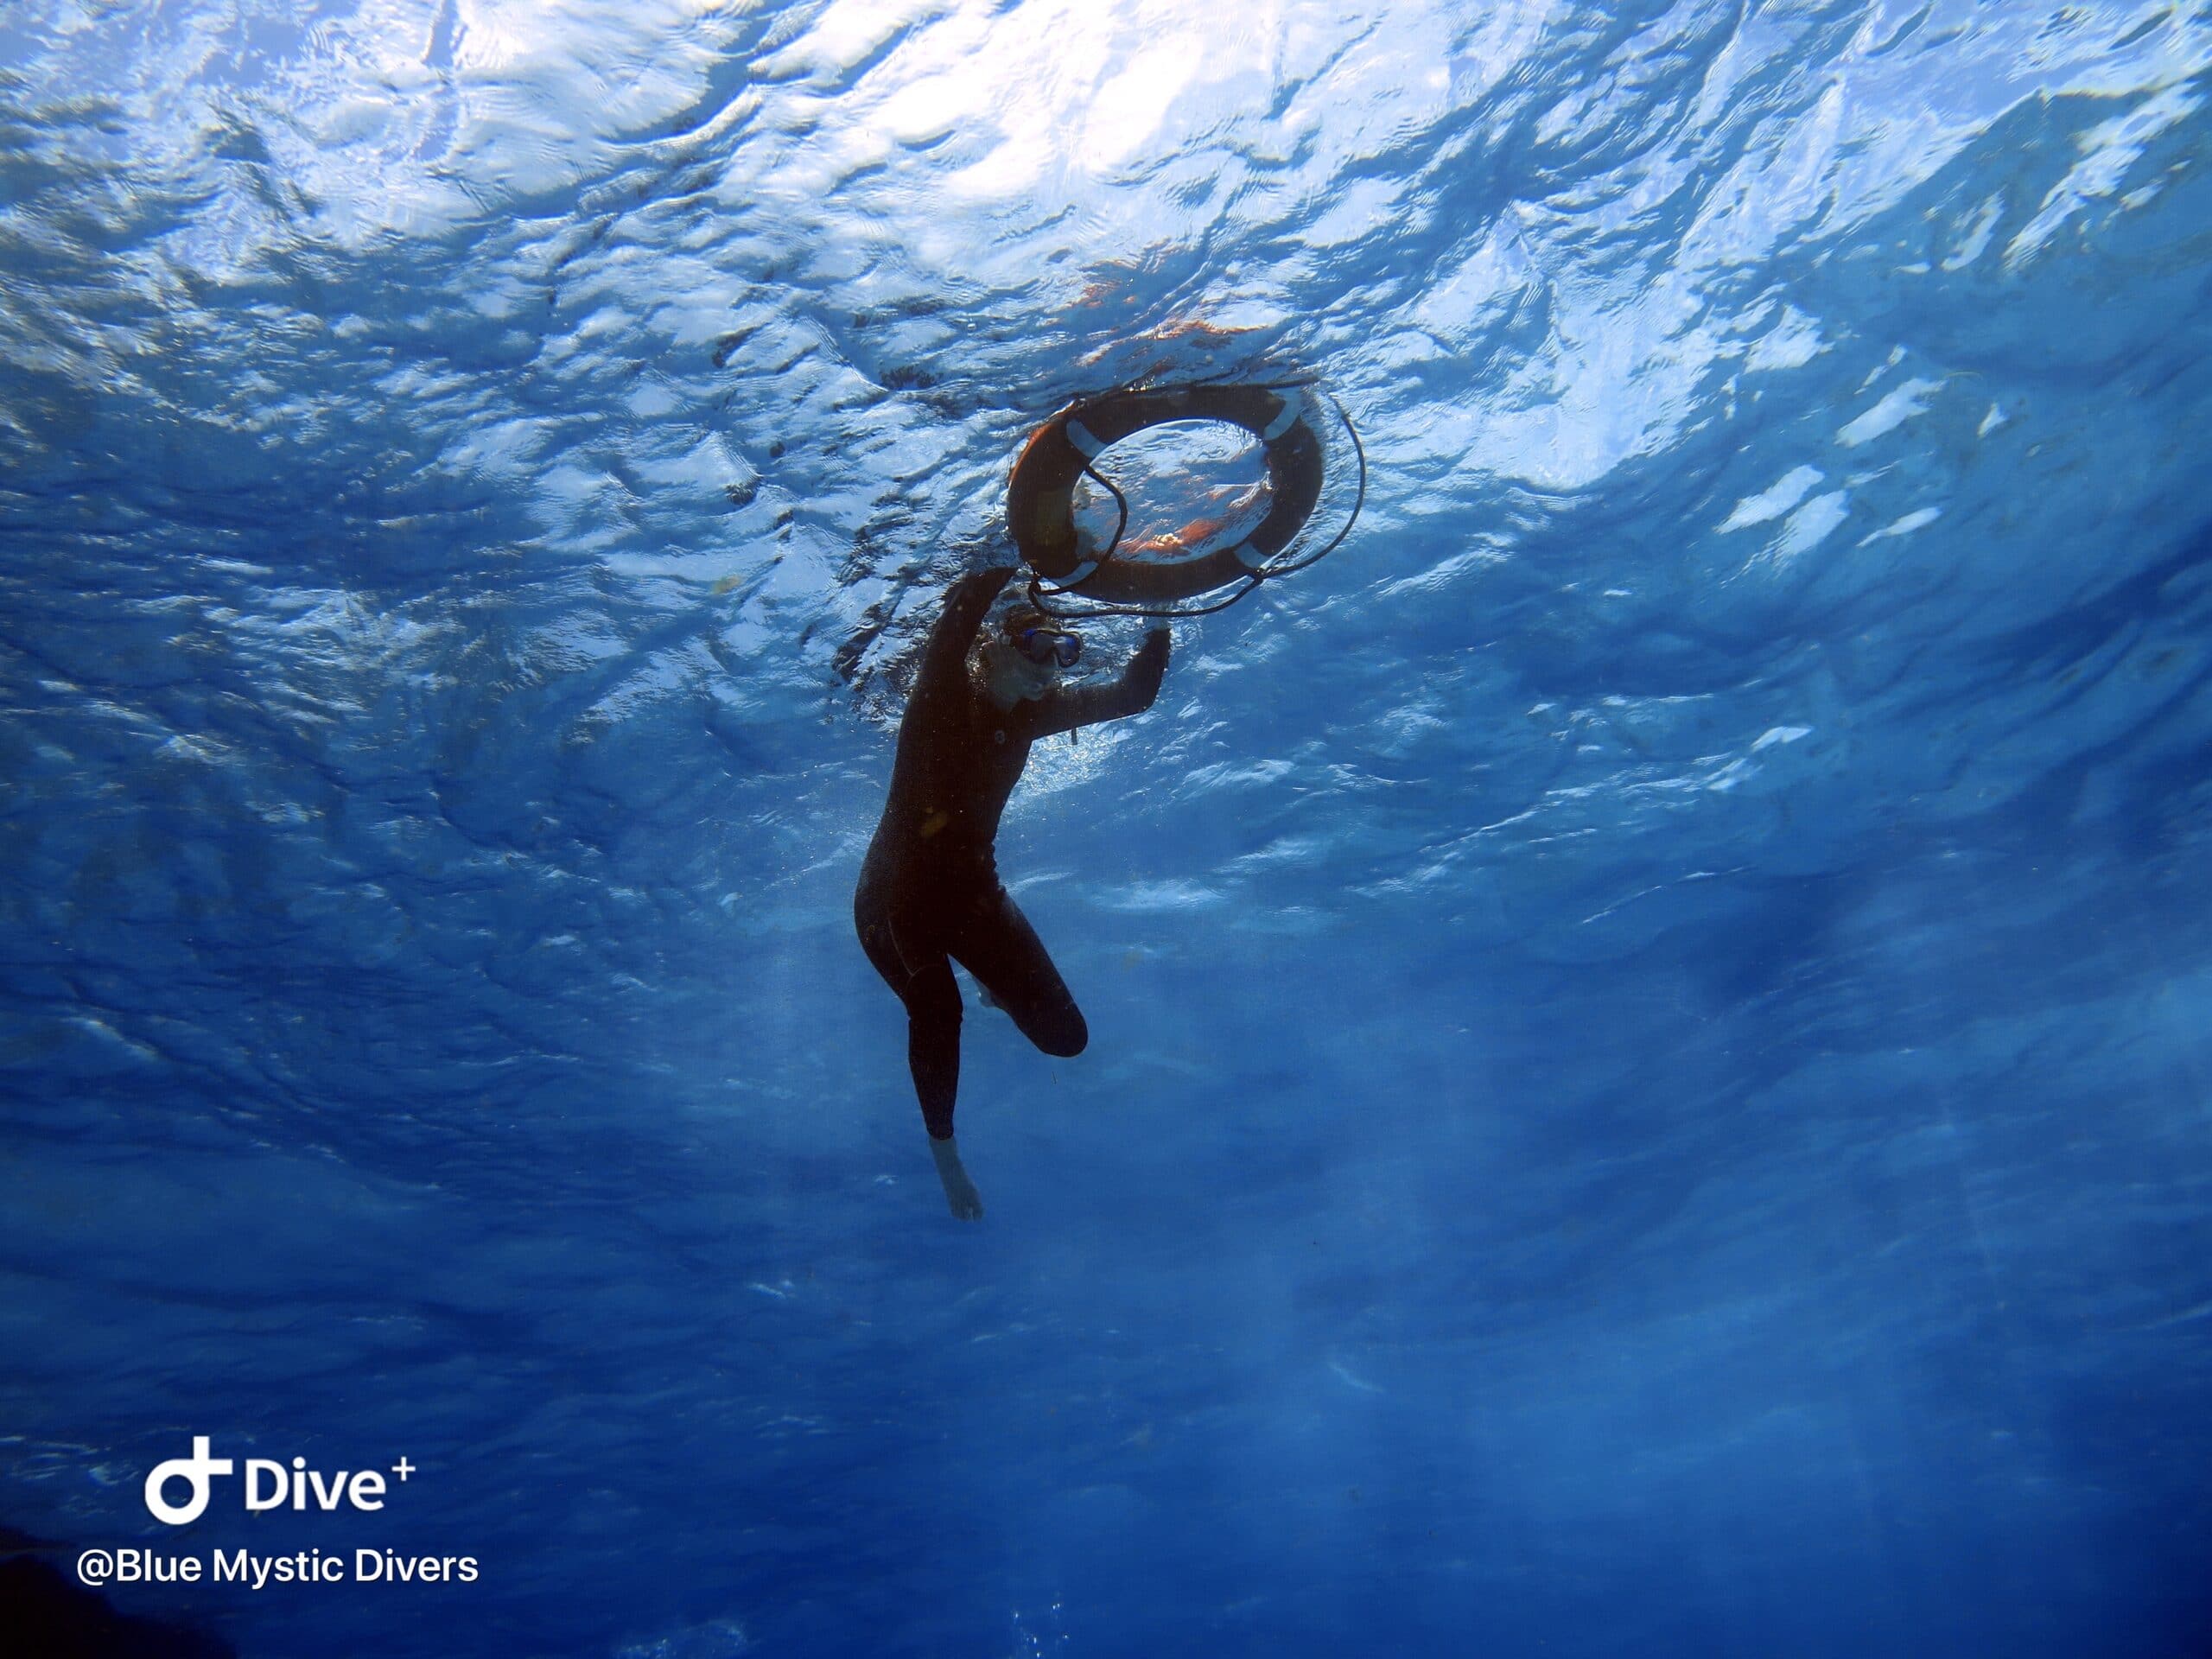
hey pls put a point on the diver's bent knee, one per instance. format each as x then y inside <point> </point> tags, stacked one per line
<point>1066,1038</point>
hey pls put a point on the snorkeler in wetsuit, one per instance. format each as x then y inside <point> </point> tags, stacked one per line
<point>928,893</point>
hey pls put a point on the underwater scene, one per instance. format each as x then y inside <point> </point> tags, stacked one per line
<point>981,829</point>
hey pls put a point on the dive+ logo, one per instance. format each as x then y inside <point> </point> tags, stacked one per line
<point>268,1484</point>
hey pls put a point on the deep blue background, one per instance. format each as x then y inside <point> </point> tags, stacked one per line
<point>1651,1016</point>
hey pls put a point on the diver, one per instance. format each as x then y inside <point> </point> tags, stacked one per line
<point>929,892</point>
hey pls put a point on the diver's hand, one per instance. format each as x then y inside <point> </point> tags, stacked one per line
<point>960,1193</point>
<point>1154,646</point>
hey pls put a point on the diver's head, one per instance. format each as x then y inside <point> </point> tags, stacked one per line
<point>1024,657</point>
<point>1040,638</point>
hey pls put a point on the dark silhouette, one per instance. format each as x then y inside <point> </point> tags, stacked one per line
<point>928,893</point>
<point>44,1616</point>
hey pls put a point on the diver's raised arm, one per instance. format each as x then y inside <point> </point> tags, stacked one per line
<point>966,603</point>
<point>1064,710</point>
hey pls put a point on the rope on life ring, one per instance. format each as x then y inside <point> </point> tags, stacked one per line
<point>1040,509</point>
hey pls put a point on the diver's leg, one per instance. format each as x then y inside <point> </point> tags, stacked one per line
<point>932,1009</point>
<point>933,1001</point>
<point>995,943</point>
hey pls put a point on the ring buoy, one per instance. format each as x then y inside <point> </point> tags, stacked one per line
<point>1040,498</point>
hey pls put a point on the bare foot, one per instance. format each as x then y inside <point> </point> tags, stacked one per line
<point>960,1193</point>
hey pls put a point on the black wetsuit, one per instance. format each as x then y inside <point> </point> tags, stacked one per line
<point>929,891</point>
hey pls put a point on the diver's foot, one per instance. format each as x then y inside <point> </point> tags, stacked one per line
<point>960,1194</point>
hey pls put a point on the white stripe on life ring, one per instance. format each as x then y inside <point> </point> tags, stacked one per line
<point>1293,407</point>
<point>1079,435</point>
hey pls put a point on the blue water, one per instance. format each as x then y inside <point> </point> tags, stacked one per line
<point>1651,1015</point>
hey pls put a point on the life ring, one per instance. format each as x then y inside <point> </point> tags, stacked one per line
<point>1040,498</point>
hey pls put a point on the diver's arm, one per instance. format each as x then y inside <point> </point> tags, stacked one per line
<point>1063,711</point>
<point>965,603</point>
